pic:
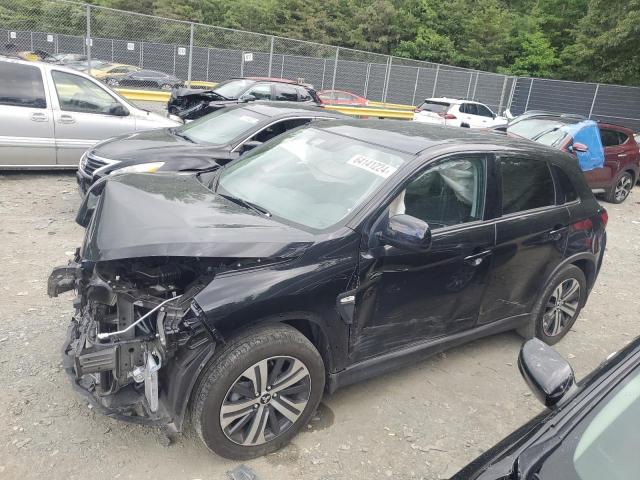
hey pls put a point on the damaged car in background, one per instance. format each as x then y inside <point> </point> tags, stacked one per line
<point>192,103</point>
<point>337,251</point>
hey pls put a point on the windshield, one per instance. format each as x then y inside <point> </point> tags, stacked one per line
<point>233,88</point>
<point>221,126</point>
<point>435,107</point>
<point>310,177</point>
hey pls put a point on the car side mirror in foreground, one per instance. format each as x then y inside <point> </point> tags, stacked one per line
<point>250,145</point>
<point>119,111</point>
<point>549,376</point>
<point>579,147</point>
<point>248,98</point>
<point>407,233</point>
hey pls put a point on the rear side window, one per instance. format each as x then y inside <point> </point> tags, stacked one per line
<point>526,184</point>
<point>469,108</point>
<point>21,86</point>
<point>566,190</point>
<point>484,111</point>
<point>287,93</point>
<point>611,138</point>
<point>435,107</point>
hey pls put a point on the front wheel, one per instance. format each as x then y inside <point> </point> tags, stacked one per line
<point>166,86</point>
<point>558,307</point>
<point>112,82</point>
<point>258,392</point>
<point>621,188</point>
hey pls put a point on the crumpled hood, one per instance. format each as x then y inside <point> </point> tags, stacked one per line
<point>160,146</point>
<point>146,215</point>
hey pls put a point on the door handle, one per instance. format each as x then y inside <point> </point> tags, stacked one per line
<point>66,119</point>
<point>622,155</point>
<point>39,117</point>
<point>477,258</point>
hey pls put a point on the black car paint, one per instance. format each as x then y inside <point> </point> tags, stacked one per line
<point>181,154</point>
<point>304,273</point>
<point>191,103</point>
<point>521,453</point>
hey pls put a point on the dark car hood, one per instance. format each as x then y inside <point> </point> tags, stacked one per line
<point>146,215</point>
<point>158,146</point>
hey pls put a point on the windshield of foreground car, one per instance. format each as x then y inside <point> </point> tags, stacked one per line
<point>537,129</point>
<point>233,88</point>
<point>310,177</point>
<point>221,126</point>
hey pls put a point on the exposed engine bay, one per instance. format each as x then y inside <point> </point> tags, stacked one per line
<point>132,316</point>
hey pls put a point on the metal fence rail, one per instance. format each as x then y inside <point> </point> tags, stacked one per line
<point>191,51</point>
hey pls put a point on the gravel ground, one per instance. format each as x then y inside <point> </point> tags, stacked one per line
<point>425,421</point>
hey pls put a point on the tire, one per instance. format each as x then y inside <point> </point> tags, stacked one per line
<point>550,322</point>
<point>621,188</point>
<point>225,383</point>
<point>112,82</point>
<point>166,86</point>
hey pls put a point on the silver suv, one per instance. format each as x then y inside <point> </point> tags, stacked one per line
<point>49,115</point>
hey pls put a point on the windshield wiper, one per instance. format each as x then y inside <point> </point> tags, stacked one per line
<point>246,204</point>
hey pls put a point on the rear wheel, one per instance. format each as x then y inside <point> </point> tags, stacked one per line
<point>558,307</point>
<point>112,82</point>
<point>621,188</point>
<point>166,86</point>
<point>258,392</point>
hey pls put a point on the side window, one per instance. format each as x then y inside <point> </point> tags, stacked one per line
<point>446,194</point>
<point>278,128</point>
<point>526,184</point>
<point>567,192</point>
<point>262,91</point>
<point>304,95</point>
<point>21,86</point>
<point>463,108</point>
<point>609,138</point>
<point>287,93</point>
<point>77,94</point>
<point>471,109</point>
<point>484,111</point>
<point>622,138</point>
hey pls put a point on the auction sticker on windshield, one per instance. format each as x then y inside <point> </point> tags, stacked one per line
<point>372,166</point>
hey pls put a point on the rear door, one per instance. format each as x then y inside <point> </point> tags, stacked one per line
<point>26,120</point>
<point>531,236</point>
<point>286,93</point>
<point>613,154</point>
<point>84,113</point>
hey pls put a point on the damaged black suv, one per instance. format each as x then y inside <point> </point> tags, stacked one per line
<point>233,299</point>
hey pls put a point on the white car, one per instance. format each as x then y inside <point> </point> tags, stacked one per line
<point>50,115</point>
<point>457,113</point>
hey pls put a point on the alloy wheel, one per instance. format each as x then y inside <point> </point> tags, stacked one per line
<point>265,400</point>
<point>623,187</point>
<point>561,307</point>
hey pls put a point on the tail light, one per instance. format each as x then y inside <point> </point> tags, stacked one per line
<point>604,216</point>
<point>447,116</point>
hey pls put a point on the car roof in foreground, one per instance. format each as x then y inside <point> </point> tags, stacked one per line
<point>413,137</point>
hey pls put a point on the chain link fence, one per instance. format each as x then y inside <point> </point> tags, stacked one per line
<point>136,50</point>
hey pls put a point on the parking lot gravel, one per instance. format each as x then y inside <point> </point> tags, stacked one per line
<point>425,421</point>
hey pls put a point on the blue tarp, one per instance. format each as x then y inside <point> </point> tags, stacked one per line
<point>588,133</point>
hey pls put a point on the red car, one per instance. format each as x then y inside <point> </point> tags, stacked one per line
<point>621,166</point>
<point>340,97</point>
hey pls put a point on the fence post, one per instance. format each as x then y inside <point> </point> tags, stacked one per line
<point>113,50</point>
<point>192,26</point>
<point>504,88</point>
<point>324,69</point>
<point>386,79</point>
<point>366,81</point>
<point>282,67</point>
<point>88,37</point>
<point>335,69</point>
<point>475,87</point>
<point>593,102</point>
<point>526,106</point>
<point>271,57</point>
<point>469,86</point>
<point>32,41</point>
<point>208,61</point>
<point>514,83</point>
<point>415,87</point>
<point>242,64</point>
<point>141,54</point>
<point>435,81</point>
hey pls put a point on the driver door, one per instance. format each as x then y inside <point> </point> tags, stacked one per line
<point>81,115</point>
<point>407,297</point>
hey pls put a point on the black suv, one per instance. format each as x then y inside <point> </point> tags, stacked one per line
<point>190,103</point>
<point>337,251</point>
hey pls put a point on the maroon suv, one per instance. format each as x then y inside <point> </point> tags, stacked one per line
<point>621,166</point>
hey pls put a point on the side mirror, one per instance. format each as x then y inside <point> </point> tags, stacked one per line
<point>407,233</point>
<point>549,376</point>
<point>250,145</point>
<point>119,111</point>
<point>247,98</point>
<point>579,147</point>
